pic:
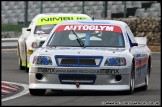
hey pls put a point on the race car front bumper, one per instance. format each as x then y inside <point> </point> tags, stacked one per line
<point>81,87</point>
<point>113,81</point>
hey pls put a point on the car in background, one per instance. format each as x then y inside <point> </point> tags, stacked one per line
<point>90,55</point>
<point>34,36</point>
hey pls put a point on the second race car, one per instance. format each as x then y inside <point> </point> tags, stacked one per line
<point>34,36</point>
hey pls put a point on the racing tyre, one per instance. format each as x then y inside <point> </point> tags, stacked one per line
<point>20,62</point>
<point>132,81</point>
<point>37,91</point>
<point>26,66</point>
<point>21,67</point>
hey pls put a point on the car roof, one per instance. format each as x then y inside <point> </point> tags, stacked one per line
<point>60,14</point>
<point>98,22</point>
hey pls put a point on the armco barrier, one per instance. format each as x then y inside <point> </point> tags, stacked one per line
<point>9,43</point>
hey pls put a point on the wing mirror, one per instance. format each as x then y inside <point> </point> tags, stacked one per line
<point>135,44</point>
<point>28,30</point>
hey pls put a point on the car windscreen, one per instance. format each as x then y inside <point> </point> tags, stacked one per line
<point>94,36</point>
<point>43,29</point>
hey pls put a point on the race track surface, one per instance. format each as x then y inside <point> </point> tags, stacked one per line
<point>10,72</point>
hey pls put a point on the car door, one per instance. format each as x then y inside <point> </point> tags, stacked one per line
<point>143,63</point>
<point>136,52</point>
<point>23,43</point>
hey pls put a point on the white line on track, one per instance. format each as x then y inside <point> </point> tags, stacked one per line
<point>8,87</point>
<point>5,91</point>
<point>23,92</point>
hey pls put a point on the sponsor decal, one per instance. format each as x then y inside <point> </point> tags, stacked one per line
<point>76,71</point>
<point>110,28</point>
<point>57,19</point>
<point>141,62</point>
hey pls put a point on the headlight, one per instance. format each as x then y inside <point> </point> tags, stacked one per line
<point>115,61</point>
<point>35,45</point>
<point>42,60</point>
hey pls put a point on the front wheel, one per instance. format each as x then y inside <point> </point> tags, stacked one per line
<point>132,81</point>
<point>20,62</point>
<point>132,84</point>
<point>37,91</point>
<point>26,66</point>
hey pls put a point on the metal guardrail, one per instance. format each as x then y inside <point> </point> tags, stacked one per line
<point>9,39</point>
<point>9,43</point>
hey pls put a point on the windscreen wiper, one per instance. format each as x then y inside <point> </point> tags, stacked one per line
<point>79,40</point>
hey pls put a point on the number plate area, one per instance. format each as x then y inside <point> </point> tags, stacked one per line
<point>77,78</point>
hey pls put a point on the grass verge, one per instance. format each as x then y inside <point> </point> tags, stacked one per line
<point>15,28</point>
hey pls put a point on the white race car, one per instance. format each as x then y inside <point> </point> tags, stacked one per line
<point>90,55</point>
<point>34,36</point>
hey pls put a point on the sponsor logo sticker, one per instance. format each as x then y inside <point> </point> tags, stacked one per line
<point>76,71</point>
<point>58,19</point>
<point>109,28</point>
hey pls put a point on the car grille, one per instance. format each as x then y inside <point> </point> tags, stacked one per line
<point>77,78</point>
<point>78,61</point>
